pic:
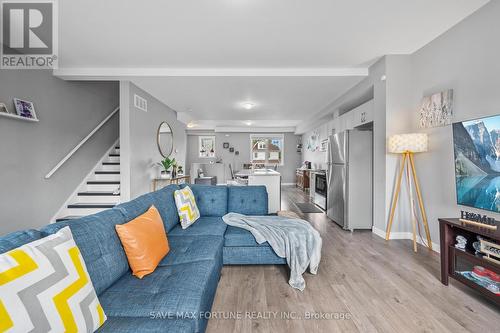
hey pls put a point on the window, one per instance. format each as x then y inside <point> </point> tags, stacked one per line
<point>267,148</point>
<point>206,146</point>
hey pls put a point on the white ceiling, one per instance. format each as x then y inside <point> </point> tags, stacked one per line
<point>217,101</point>
<point>249,33</point>
<point>319,49</point>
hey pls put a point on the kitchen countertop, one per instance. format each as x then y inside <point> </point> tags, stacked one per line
<point>259,172</point>
<point>313,170</point>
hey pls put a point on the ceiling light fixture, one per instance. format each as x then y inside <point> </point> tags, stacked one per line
<point>248,123</point>
<point>191,125</point>
<point>248,105</point>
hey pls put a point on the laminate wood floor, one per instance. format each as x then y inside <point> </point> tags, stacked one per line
<point>364,284</point>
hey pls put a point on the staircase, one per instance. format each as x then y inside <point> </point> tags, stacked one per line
<point>99,191</point>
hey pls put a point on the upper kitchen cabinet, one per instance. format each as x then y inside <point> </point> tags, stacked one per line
<point>363,114</point>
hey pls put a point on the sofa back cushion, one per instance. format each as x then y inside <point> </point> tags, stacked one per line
<point>18,238</point>
<point>131,209</point>
<point>162,199</point>
<point>99,245</point>
<point>247,200</point>
<point>211,200</point>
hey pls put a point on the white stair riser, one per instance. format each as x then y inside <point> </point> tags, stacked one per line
<point>110,200</point>
<point>106,177</point>
<point>100,187</point>
<point>112,167</point>
<point>114,199</point>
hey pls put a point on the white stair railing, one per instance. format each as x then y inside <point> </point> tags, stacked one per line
<point>78,146</point>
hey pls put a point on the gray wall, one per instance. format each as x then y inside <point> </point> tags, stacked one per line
<point>241,143</point>
<point>317,158</point>
<point>466,59</point>
<point>139,151</point>
<point>68,111</point>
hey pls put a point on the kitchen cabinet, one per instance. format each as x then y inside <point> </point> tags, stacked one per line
<point>359,116</point>
<point>302,179</point>
<point>363,114</point>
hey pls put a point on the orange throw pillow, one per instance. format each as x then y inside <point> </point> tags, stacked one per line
<point>145,242</point>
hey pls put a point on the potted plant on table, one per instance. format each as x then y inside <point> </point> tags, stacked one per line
<point>167,163</point>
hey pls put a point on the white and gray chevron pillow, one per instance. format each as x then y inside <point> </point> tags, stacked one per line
<point>45,286</point>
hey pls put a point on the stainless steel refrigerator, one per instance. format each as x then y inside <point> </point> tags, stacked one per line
<point>350,179</point>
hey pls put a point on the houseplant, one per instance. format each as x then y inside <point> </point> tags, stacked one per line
<point>167,163</point>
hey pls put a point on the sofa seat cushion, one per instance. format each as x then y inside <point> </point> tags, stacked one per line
<point>18,238</point>
<point>247,200</point>
<point>204,226</point>
<point>251,255</point>
<point>99,245</point>
<point>211,200</point>
<point>189,249</point>
<point>240,237</point>
<point>152,324</point>
<point>178,291</point>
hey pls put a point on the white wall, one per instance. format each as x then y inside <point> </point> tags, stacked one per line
<point>317,158</point>
<point>138,143</point>
<point>467,60</point>
<point>399,106</point>
<point>241,143</point>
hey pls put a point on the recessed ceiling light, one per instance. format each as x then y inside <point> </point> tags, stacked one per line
<point>248,105</point>
<point>248,123</point>
<point>191,125</point>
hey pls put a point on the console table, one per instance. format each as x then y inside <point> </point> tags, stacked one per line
<point>453,259</point>
<point>167,181</point>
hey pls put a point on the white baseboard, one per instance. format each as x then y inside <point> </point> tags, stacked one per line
<point>404,235</point>
<point>288,184</point>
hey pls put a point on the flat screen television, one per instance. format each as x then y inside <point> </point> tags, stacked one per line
<point>477,163</point>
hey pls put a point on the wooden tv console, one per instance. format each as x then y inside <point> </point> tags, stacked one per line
<point>452,258</point>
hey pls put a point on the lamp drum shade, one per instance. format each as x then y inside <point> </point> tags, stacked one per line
<point>413,142</point>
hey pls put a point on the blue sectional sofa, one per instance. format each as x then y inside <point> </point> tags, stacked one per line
<point>178,296</point>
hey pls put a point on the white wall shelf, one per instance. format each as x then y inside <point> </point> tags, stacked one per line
<point>15,116</point>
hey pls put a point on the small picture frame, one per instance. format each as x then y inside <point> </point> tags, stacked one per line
<point>231,150</point>
<point>324,145</point>
<point>25,109</point>
<point>3,108</point>
<point>236,152</point>
<point>225,145</point>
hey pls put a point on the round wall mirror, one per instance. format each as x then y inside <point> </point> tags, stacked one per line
<point>165,139</point>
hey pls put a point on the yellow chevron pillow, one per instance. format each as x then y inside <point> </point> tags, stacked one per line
<point>186,206</point>
<point>45,286</point>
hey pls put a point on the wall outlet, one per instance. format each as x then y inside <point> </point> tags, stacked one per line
<point>141,103</point>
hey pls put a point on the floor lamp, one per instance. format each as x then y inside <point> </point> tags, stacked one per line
<point>407,145</point>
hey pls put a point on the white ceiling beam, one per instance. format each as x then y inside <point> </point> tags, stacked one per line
<point>253,129</point>
<point>127,73</point>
